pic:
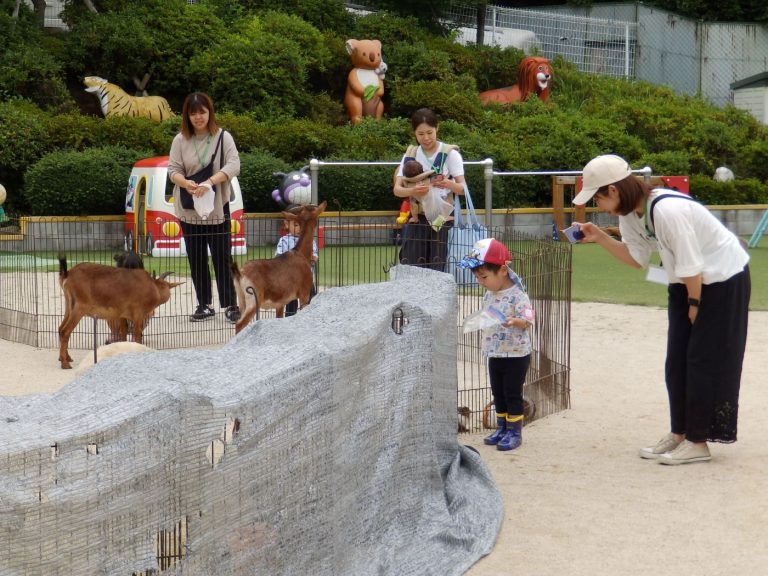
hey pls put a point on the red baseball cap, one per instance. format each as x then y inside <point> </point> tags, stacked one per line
<point>486,251</point>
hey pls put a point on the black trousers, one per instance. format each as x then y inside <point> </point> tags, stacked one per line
<point>704,359</point>
<point>507,376</point>
<point>422,246</point>
<point>200,239</point>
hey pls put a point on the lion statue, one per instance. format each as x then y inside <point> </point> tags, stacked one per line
<point>116,102</point>
<point>534,75</point>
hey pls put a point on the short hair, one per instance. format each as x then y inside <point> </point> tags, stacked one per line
<point>194,103</point>
<point>631,191</point>
<point>492,268</point>
<point>424,116</point>
<point>412,168</point>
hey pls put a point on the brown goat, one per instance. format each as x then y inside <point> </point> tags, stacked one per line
<point>126,259</point>
<point>112,294</point>
<point>274,282</point>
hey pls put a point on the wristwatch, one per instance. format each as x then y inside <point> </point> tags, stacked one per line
<point>694,302</point>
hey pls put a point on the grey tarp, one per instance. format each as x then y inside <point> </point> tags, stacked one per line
<point>344,457</point>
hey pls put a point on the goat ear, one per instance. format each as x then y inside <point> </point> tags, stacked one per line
<point>174,284</point>
<point>321,208</point>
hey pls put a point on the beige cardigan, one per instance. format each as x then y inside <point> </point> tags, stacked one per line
<point>183,160</point>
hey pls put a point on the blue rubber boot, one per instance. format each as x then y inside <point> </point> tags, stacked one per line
<point>513,436</point>
<point>493,439</point>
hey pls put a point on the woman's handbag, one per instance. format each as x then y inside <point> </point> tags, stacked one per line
<point>462,237</point>
<point>187,200</point>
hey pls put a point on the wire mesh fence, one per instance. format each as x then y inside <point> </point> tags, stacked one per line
<point>596,45</point>
<point>352,250</point>
<point>629,40</point>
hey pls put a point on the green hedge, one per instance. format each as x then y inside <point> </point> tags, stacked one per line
<point>747,191</point>
<point>91,182</point>
<point>257,181</point>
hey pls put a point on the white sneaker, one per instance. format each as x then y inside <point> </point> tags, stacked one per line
<point>685,453</point>
<point>666,444</point>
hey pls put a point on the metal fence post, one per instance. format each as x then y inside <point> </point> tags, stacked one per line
<point>314,168</point>
<point>488,177</point>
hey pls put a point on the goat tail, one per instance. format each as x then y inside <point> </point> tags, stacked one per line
<point>252,292</point>
<point>62,266</point>
<point>235,271</point>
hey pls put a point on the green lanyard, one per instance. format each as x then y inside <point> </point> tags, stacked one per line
<point>648,231</point>
<point>437,169</point>
<point>205,152</point>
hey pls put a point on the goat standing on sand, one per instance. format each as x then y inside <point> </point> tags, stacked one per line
<point>112,294</point>
<point>126,259</point>
<point>276,281</point>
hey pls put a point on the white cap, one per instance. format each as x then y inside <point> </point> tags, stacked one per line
<point>601,171</point>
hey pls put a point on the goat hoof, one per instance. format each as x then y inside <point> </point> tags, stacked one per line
<point>66,366</point>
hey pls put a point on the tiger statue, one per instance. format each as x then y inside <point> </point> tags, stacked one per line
<point>116,102</point>
<point>534,75</point>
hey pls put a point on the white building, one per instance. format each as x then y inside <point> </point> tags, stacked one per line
<point>751,94</point>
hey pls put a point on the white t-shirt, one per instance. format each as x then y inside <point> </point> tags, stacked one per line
<point>452,167</point>
<point>689,239</point>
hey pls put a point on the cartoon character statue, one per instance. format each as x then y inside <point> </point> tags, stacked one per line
<point>294,188</point>
<point>365,83</point>
<point>534,75</point>
<point>116,102</point>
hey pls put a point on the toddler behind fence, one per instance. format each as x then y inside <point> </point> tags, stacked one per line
<point>288,242</point>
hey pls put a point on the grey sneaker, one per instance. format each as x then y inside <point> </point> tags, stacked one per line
<point>202,313</point>
<point>685,453</point>
<point>666,444</point>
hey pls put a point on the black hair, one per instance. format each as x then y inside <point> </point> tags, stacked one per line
<point>492,268</point>
<point>424,116</point>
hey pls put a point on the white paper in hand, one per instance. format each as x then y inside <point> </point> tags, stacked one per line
<point>204,203</point>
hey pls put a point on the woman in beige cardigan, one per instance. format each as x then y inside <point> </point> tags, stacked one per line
<point>203,160</point>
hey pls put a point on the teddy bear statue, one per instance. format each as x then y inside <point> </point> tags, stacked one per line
<point>294,188</point>
<point>365,83</point>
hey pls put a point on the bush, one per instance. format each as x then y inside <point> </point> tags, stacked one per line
<point>389,28</point>
<point>748,191</point>
<point>351,188</point>
<point>22,142</point>
<point>448,100</point>
<point>68,183</point>
<point>257,181</point>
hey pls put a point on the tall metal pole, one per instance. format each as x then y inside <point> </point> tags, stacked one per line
<point>488,178</point>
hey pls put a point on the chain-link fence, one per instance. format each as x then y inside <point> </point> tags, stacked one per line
<point>630,40</point>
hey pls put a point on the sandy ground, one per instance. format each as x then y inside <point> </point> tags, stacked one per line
<point>578,500</point>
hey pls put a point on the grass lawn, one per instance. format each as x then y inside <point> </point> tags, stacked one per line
<point>599,277</point>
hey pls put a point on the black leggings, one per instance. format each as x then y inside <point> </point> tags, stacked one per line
<point>199,239</point>
<point>507,376</point>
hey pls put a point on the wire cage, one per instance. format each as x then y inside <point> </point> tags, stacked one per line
<point>352,249</point>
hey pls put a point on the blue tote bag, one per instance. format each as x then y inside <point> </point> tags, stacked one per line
<point>462,237</point>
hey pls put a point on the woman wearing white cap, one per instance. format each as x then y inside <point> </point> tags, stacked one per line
<point>708,300</point>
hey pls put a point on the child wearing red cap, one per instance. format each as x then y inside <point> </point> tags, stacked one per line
<point>506,344</point>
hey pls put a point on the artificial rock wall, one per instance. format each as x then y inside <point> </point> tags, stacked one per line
<point>324,443</point>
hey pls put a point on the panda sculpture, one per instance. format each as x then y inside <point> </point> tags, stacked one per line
<point>295,188</point>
